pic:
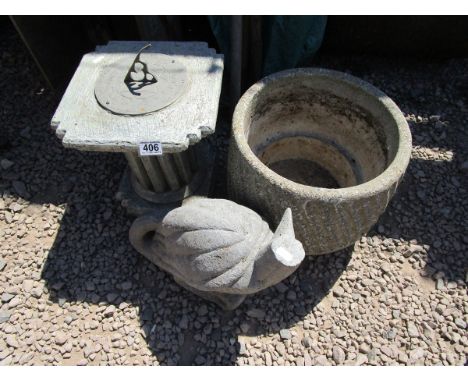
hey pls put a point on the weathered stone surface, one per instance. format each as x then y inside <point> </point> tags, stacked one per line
<point>106,109</point>
<point>460,323</point>
<point>60,338</point>
<point>360,359</point>
<point>83,124</point>
<point>4,316</point>
<point>11,341</point>
<point>6,297</point>
<point>256,313</point>
<point>413,330</point>
<point>110,310</point>
<point>6,164</point>
<point>416,354</point>
<point>338,291</point>
<point>14,302</point>
<point>331,211</point>
<point>285,334</point>
<point>338,355</point>
<point>218,249</point>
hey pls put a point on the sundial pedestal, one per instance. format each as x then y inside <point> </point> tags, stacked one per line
<point>165,181</point>
<point>127,93</point>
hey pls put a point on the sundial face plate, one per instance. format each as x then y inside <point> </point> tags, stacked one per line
<point>128,88</point>
<point>84,121</point>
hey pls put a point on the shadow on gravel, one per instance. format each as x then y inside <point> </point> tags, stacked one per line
<point>92,261</point>
<point>430,208</point>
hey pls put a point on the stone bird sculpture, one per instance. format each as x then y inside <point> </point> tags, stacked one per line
<point>218,249</point>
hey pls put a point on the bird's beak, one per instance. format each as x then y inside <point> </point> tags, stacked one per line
<point>285,227</point>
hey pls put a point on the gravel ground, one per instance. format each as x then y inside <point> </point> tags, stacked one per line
<point>73,291</point>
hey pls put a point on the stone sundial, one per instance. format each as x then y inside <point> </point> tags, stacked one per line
<point>126,93</point>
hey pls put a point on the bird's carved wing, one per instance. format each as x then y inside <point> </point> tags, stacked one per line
<point>211,243</point>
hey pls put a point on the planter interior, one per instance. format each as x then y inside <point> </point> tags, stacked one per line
<point>309,131</point>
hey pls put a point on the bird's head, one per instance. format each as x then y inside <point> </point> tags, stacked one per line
<point>286,248</point>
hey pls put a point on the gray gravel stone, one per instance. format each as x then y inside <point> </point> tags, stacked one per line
<point>412,330</point>
<point>386,268</point>
<point>16,207</point>
<point>244,326</point>
<point>268,360</point>
<point>280,348</point>
<point>109,311</point>
<point>464,166</point>
<point>339,333</point>
<point>460,323</point>
<point>68,319</point>
<point>6,297</point>
<point>6,164</point>
<point>242,348</point>
<point>5,352</point>
<point>391,334</point>
<point>372,355</point>
<point>281,287</point>
<point>20,188</point>
<point>402,357</point>
<point>183,323</point>
<point>339,355</point>
<point>322,361</point>
<point>416,354</point>
<point>111,297</point>
<point>14,302</point>
<point>28,285</point>
<point>127,285</point>
<point>7,361</point>
<point>307,342</point>
<point>37,292</point>
<point>364,348</point>
<point>203,310</point>
<point>60,338</point>
<point>361,359</point>
<point>285,334</point>
<point>4,316</point>
<point>200,360</point>
<point>338,291</point>
<point>291,295</point>
<point>11,341</point>
<point>440,285</point>
<point>307,360</point>
<point>256,313</point>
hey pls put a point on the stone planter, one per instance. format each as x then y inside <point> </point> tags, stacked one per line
<point>330,146</point>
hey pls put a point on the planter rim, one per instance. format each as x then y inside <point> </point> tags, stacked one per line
<point>378,184</point>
